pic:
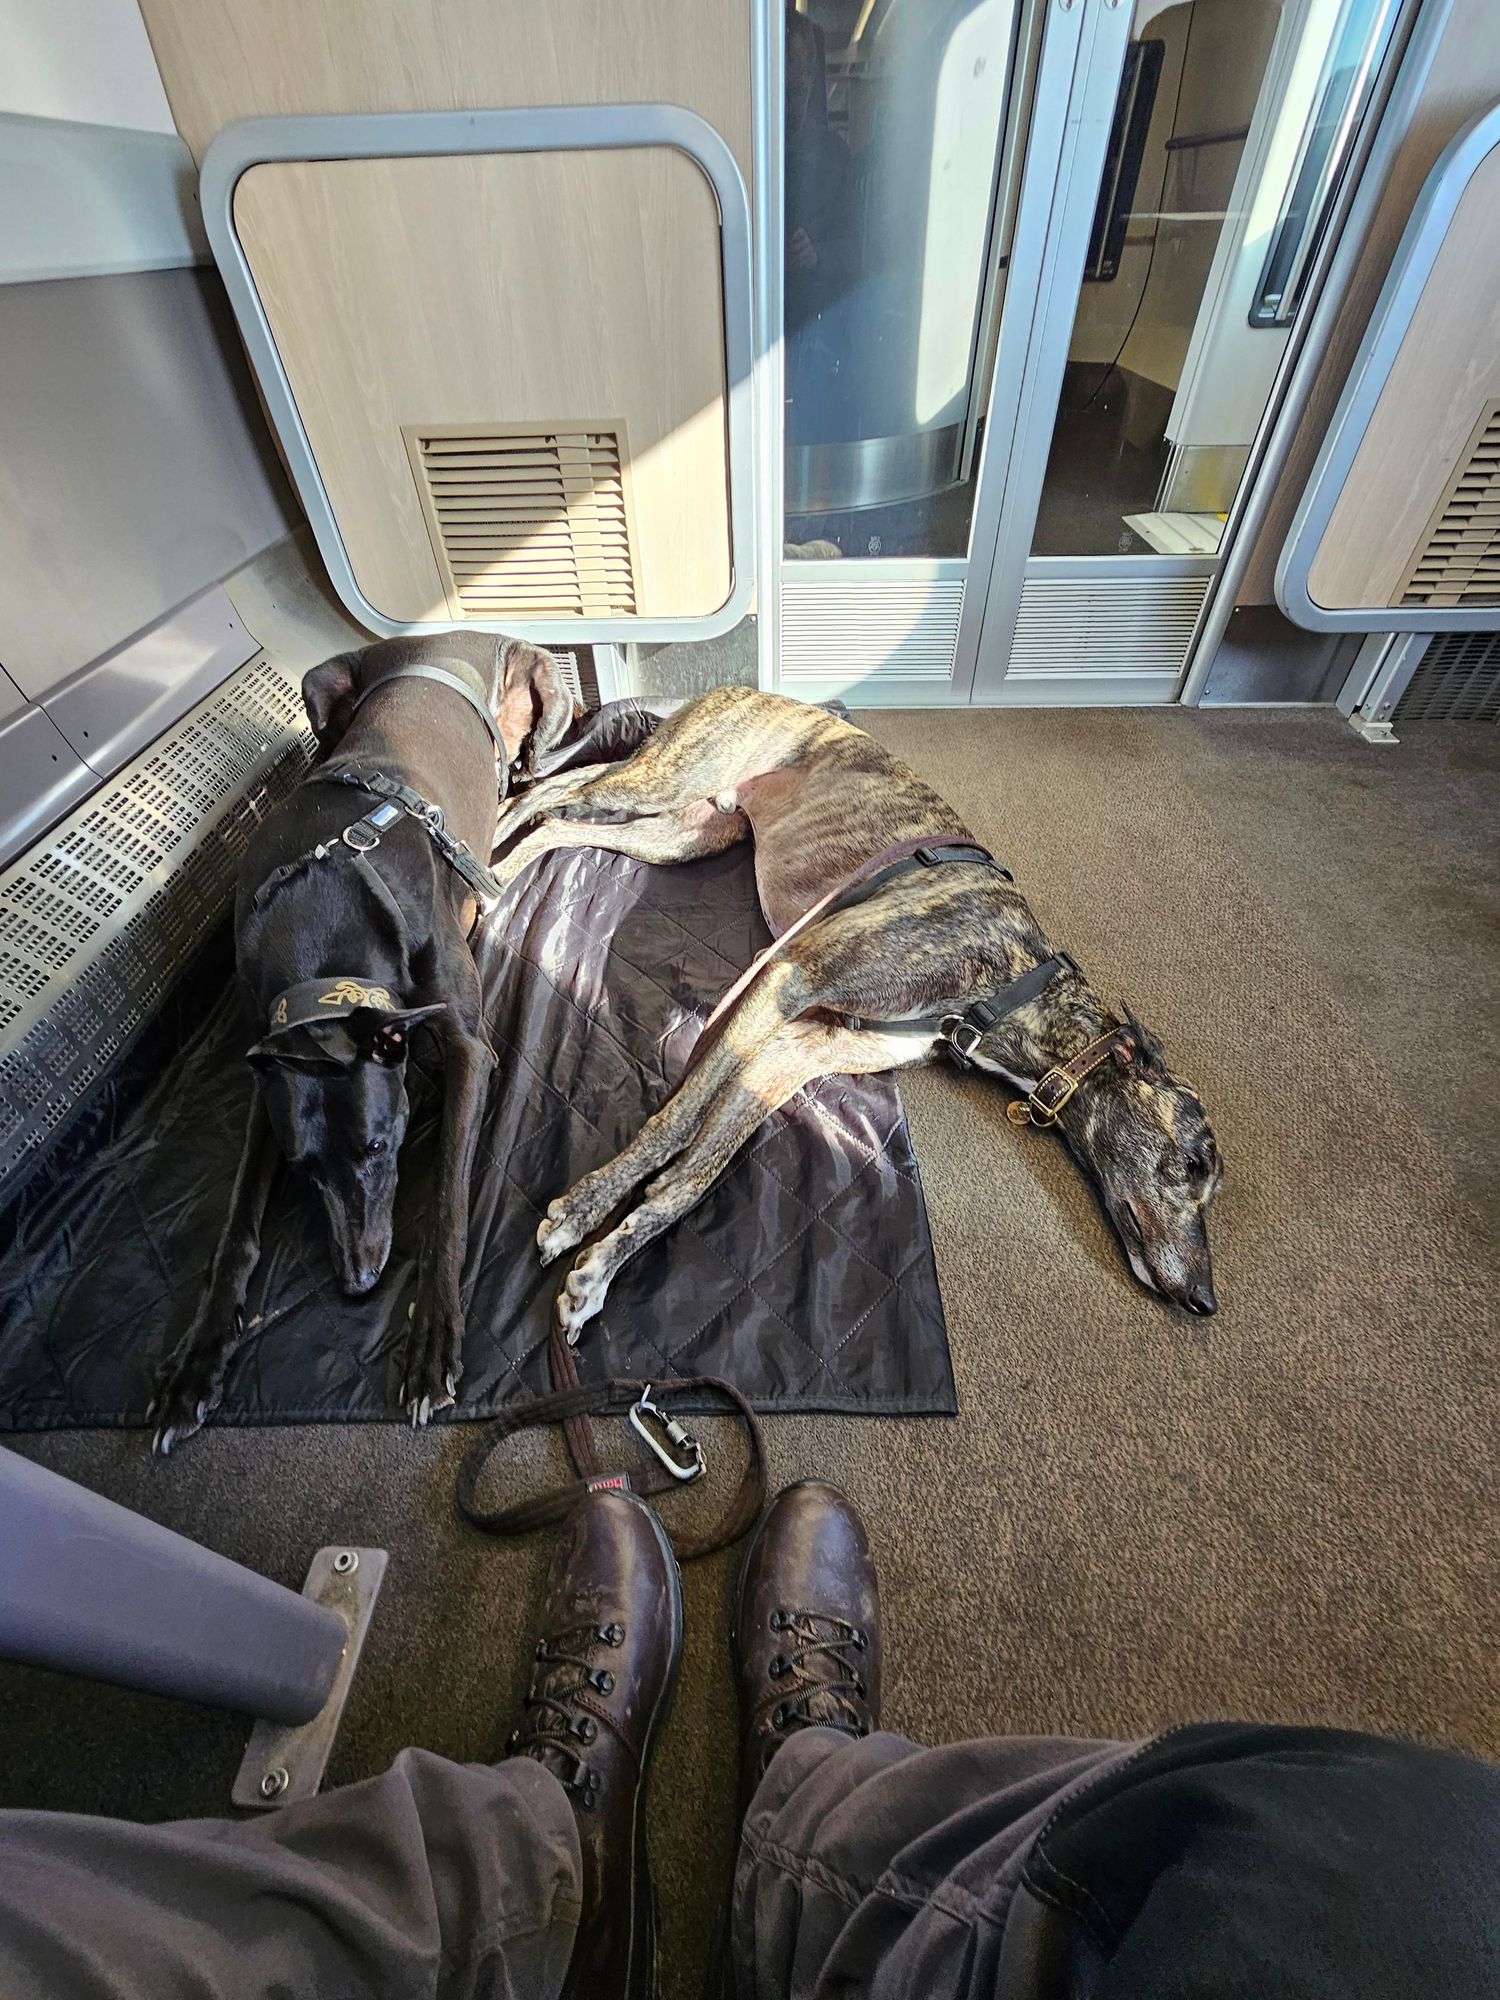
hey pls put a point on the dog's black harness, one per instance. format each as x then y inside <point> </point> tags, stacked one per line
<point>364,835</point>
<point>979,1018</point>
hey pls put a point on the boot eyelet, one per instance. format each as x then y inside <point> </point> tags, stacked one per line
<point>778,1621</point>
<point>859,1689</point>
<point>861,1642</point>
<point>513,1739</point>
<point>611,1635</point>
<point>585,1729</point>
<point>541,1649</point>
<point>603,1680</point>
<point>779,1715</point>
<point>778,1666</point>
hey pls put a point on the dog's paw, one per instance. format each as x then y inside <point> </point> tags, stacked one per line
<point>582,1295</point>
<point>188,1392</point>
<point>560,1229</point>
<point>434,1363</point>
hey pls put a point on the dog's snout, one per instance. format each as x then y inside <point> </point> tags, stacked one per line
<point>361,1280</point>
<point>1200,1298</point>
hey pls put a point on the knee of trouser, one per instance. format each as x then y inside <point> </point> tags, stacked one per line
<point>811,1778</point>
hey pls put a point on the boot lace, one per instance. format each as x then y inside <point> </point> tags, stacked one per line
<point>820,1661</point>
<point>551,1730</point>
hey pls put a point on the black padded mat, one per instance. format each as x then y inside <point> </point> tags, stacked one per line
<point>806,1276</point>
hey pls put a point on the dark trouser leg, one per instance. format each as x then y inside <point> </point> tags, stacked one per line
<point>436,1879</point>
<point>881,1869</point>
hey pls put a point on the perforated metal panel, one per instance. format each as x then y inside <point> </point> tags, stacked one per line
<point>1457,680</point>
<point>96,922</point>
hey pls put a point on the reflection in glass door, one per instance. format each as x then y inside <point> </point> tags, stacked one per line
<point>1232,127</point>
<point>895,111</point>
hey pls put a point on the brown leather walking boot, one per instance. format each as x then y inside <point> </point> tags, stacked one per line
<point>611,1636</point>
<point>807,1626</point>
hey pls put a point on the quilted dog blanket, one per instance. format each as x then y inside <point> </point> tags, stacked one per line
<point>806,1276</point>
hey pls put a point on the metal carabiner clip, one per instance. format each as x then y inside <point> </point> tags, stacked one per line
<point>691,1465</point>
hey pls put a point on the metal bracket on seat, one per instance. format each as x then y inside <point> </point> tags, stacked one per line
<point>284,1762</point>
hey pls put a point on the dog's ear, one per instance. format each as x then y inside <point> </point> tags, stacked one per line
<point>536,706</point>
<point>328,695</point>
<point>1143,1049</point>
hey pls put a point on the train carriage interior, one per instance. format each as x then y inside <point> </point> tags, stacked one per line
<point>1094,402</point>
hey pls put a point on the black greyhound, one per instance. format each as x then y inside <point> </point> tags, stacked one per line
<point>352,920</point>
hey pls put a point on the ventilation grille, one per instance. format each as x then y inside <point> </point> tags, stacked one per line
<point>95,924</point>
<point>1460,559</point>
<point>1457,680</point>
<point>856,628</point>
<point>528,524</point>
<point>1117,625</point>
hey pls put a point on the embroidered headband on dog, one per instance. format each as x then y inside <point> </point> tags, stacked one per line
<point>327,1009</point>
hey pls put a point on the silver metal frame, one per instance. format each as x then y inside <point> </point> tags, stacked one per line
<point>1059,193</point>
<point>768,117</point>
<point>1410,269</point>
<point>256,142</point>
<point>1408,59</point>
<point>1378,679</point>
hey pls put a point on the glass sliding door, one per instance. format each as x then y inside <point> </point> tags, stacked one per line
<point>1231,134</point>
<point>894,116</point>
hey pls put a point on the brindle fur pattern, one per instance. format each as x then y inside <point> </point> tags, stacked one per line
<point>819,797</point>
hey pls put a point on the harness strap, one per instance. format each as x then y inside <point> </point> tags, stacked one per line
<point>571,1405</point>
<point>450,675</point>
<point>903,855</point>
<point>365,834</point>
<point>980,1016</point>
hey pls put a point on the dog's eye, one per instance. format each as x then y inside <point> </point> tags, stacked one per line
<point>1200,1165</point>
<point>376,1146</point>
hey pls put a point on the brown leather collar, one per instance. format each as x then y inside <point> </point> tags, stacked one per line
<point>1046,1099</point>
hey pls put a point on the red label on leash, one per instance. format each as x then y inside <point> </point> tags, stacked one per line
<point>609,1482</point>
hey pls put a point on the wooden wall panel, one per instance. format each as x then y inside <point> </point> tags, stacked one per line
<point>481,290</point>
<point>1445,374</point>
<point>1463,81</point>
<point>228,59</point>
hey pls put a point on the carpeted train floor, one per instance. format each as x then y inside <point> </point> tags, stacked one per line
<point>1287,1512</point>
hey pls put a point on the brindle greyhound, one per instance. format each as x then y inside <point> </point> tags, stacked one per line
<point>918,960</point>
<point>351,924</point>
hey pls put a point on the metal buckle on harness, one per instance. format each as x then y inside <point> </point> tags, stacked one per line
<point>1030,1110</point>
<point>366,845</point>
<point>950,1028</point>
<point>692,1465</point>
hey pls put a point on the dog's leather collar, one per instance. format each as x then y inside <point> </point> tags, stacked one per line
<point>455,674</point>
<point>1042,1103</point>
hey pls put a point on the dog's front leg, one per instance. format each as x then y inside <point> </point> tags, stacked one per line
<point>190,1384</point>
<point>434,1359</point>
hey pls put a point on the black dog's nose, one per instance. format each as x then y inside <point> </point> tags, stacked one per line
<point>1200,1299</point>
<point>359,1282</point>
